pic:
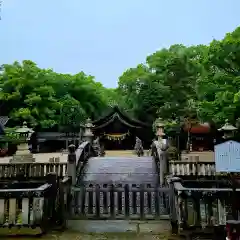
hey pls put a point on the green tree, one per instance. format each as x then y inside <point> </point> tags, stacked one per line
<point>218,86</point>
<point>42,97</point>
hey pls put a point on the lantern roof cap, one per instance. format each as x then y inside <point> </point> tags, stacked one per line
<point>24,129</point>
<point>89,123</point>
<point>227,127</point>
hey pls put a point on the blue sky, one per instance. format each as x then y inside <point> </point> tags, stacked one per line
<point>105,37</point>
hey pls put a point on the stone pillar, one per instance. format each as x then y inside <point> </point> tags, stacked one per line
<point>71,167</point>
<point>162,145</point>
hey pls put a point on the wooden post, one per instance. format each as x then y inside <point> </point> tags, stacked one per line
<point>71,167</point>
<point>173,206</point>
<point>52,179</point>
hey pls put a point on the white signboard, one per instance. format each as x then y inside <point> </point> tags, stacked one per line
<point>227,157</point>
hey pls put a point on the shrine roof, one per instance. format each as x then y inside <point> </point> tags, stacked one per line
<point>116,113</point>
<point>199,128</point>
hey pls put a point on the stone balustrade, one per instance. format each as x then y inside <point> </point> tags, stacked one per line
<point>191,167</point>
<point>12,170</point>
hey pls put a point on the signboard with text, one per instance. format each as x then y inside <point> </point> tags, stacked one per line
<point>227,157</point>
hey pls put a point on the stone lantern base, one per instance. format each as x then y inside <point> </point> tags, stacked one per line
<point>23,155</point>
<point>23,159</point>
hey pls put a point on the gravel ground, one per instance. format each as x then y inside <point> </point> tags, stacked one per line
<point>113,236</point>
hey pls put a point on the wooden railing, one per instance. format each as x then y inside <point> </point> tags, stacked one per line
<point>31,170</point>
<point>120,202</point>
<point>26,207</point>
<point>62,203</point>
<point>195,167</point>
<point>202,207</point>
<point>35,205</point>
<point>83,153</point>
<point>190,167</point>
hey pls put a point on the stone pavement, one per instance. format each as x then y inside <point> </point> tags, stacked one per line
<point>110,229</point>
<point>119,226</point>
<point>44,157</point>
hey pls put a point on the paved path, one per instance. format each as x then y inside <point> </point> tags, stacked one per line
<point>44,157</point>
<point>134,170</point>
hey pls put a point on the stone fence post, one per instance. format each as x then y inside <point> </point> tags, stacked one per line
<point>71,165</point>
<point>163,159</point>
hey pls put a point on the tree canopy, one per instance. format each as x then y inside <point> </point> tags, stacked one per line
<point>201,82</point>
<point>45,99</point>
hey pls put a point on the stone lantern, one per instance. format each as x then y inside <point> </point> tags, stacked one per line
<point>228,130</point>
<point>162,143</point>
<point>88,134</point>
<point>23,154</point>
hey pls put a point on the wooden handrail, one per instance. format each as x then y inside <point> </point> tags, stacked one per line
<point>200,208</point>
<point>24,207</point>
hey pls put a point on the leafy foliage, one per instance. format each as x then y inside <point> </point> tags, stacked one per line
<point>46,99</point>
<point>197,82</point>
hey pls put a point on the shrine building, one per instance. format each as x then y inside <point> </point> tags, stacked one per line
<point>118,131</point>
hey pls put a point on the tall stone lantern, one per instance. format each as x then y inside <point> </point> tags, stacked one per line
<point>162,145</point>
<point>23,154</point>
<point>228,130</point>
<point>88,134</point>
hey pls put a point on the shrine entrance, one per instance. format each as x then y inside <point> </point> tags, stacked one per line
<point>117,131</point>
<point>120,141</point>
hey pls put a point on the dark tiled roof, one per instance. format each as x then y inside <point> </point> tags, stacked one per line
<point>3,120</point>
